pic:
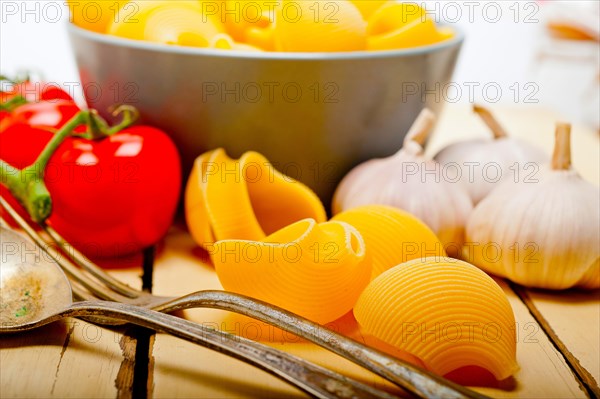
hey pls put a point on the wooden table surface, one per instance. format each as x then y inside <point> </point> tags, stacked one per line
<point>558,333</point>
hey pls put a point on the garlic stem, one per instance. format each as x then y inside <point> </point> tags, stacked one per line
<point>561,158</point>
<point>420,129</point>
<point>490,121</point>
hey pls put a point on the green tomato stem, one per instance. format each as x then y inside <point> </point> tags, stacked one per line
<point>97,127</point>
<point>40,163</point>
<point>129,114</point>
<point>13,103</point>
<point>28,189</point>
<point>27,185</point>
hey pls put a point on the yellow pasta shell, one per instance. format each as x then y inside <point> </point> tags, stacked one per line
<point>195,207</point>
<point>94,15</point>
<point>240,15</point>
<point>368,7</point>
<point>446,312</point>
<point>393,16</point>
<point>223,41</point>
<point>392,236</point>
<point>315,270</point>
<point>168,22</point>
<point>334,25</point>
<point>416,33</point>
<point>246,47</point>
<point>402,25</point>
<point>244,199</point>
<point>263,38</point>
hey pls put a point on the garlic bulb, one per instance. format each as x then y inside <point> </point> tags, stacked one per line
<point>410,181</point>
<point>484,163</point>
<point>540,234</point>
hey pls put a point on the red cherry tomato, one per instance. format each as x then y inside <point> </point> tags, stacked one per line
<point>112,196</point>
<point>35,92</point>
<point>7,95</point>
<point>4,116</point>
<point>44,114</point>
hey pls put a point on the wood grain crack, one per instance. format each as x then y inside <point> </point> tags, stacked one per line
<point>60,358</point>
<point>150,384</point>
<point>135,376</point>
<point>586,380</point>
<point>124,380</point>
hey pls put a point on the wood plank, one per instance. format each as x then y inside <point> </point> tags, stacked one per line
<point>133,340</point>
<point>68,359</point>
<point>572,320</point>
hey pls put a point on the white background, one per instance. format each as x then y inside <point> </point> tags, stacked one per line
<point>507,46</point>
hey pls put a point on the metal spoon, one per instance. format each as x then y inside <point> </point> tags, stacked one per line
<point>34,291</point>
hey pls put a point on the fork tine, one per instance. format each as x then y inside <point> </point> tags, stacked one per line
<point>68,267</point>
<point>81,260</point>
<point>80,293</point>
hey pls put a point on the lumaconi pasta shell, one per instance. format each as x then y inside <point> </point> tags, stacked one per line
<point>392,236</point>
<point>414,34</point>
<point>446,312</point>
<point>239,16</point>
<point>262,38</point>
<point>392,16</point>
<point>368,7</point>
<point>402,25</point>
<point>315,270</point>
<point>105,14</point>
<point>195,206</point>
<point>244,199</point>
<point>285,25</point>
<point>224,42</point>
<point>334,25</point>
<point>173,22</point>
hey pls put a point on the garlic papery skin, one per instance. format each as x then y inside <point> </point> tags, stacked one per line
<point>410,181</point>
<point>485,163</point>
<point>543,234</point>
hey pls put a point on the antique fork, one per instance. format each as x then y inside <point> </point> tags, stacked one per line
<point>90,282</point>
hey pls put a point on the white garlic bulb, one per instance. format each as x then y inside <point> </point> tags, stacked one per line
<point>484,163</point>
<point>409,181</point>
<point>542,234</point>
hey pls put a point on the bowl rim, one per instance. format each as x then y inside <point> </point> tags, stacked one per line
<point>104,38</point>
